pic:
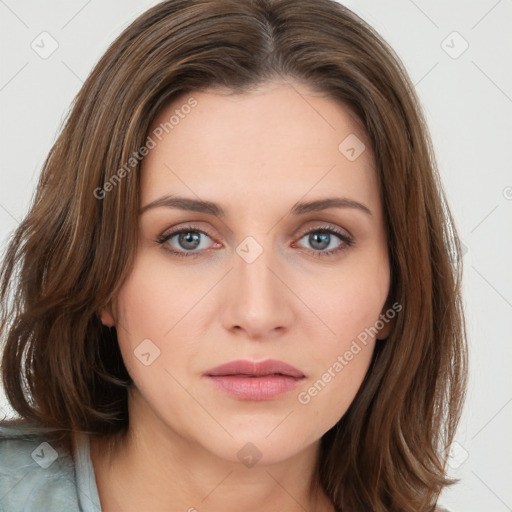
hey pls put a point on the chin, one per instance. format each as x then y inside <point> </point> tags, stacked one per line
<point>262,446</point>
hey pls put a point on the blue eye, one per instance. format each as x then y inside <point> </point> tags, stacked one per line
<point>188,238</point>
<point>320,239</point>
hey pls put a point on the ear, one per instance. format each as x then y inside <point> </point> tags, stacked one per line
<point>386,322</point>
<point>386,330</point>
<point>106,316</point>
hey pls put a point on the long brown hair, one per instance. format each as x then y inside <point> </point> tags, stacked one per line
<point>62,367</point>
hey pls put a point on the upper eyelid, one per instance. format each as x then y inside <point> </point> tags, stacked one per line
<point>336,230</point>
<point>188,227</point>
<point>324,226</point>
<point>193,227</point>
<point>312,224</point>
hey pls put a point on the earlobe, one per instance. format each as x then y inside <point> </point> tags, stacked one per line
<point>384,325</point>
<point>385,331</point>
<point>106,317</point>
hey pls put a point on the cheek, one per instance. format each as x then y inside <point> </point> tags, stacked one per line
<point>156,297</point>
<point>347,303</point>
<point>332,388</point>
<point>348,306</point>
<point>152,307</point>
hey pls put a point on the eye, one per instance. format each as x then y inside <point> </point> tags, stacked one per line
<point>323,241</point>
<point>189,241</point>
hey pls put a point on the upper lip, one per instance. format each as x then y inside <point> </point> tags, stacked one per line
<point>255,368</point>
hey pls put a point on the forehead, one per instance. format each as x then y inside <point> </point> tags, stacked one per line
<point>278,141</point>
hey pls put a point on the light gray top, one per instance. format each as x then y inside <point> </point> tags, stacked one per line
<point>36,477</point>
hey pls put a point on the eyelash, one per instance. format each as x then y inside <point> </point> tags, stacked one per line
<point>347,241</point>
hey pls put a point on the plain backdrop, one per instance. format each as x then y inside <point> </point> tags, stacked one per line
<point>458,55</point>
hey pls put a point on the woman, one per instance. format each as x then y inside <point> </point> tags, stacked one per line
<point>240,281</point>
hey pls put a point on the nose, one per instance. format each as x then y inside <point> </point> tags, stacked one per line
<point>258,302</point>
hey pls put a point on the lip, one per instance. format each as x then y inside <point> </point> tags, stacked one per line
<point>255,369</point>
<point>253,380</point>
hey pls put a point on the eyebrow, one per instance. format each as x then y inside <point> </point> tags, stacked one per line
<point>301,208</point>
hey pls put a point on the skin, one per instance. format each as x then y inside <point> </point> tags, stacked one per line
<point>256,155</point>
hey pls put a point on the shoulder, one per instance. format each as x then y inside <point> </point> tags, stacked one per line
<point>35,472</point>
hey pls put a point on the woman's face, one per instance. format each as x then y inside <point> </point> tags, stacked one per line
<point>270,279</point>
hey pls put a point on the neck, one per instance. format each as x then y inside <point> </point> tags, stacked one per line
<point>154,468</point>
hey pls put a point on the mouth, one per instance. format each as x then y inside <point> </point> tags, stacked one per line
<point>251,380</point>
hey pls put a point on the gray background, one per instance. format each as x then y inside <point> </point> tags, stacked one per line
<point>467,97</point>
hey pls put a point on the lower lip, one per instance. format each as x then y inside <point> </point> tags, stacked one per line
<point>255,388</point>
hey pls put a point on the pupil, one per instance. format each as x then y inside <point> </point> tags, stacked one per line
<point>189,240</point>
<point>320,240</point>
